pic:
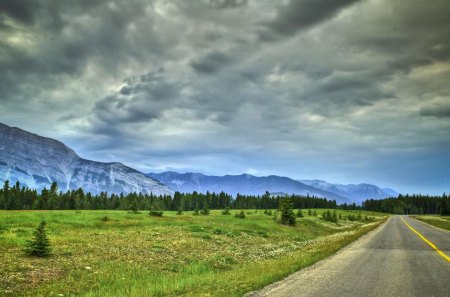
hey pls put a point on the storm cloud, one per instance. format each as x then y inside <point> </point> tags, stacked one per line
<point>347,91</point>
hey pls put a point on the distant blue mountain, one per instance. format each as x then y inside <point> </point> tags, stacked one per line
<point>356,193</point>
<point>243,184</point>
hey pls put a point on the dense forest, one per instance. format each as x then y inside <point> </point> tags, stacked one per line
<point>410,204</point>
<point>17,197</point>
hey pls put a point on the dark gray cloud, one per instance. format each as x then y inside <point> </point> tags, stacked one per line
<point>439,111</point>
<point>299,15</point>
<point>211,63</point>
<point>344,91</point>
<point>227,3</point>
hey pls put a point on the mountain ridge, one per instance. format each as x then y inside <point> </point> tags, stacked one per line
<point>356,192</point>
<point>244,184</point>
<point>37,161</point>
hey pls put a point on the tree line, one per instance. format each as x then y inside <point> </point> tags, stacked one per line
<point>410,204</point>
<point>17,197</point>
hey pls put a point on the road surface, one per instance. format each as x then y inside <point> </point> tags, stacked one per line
<point>390,261</point>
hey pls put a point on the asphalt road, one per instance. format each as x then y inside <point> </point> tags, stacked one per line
<point>390,261</point>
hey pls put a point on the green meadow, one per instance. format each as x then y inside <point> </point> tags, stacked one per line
<point>442,222</point>
<point>117,253</point>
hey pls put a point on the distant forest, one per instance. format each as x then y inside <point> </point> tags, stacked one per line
<point>410,204</point>
<point>16,197</point>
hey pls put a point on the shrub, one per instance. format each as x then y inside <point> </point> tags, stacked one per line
<point>226,211</point>
<point>155,212</point>
<point>106,219</point>
<point>205,209</point>
<point>180,211</point>
<point>268,212</point>
<point>240,215</point>
<point>196,210</point>
<point>40,246</point>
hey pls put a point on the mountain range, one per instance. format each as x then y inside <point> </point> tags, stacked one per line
<point>38,161</point>
<point>356,193</point>
<point>253,185</point>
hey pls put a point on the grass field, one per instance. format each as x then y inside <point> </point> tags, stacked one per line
<point>437,221</point>
<point>139,255</point>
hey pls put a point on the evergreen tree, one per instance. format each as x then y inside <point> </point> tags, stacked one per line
<point>134,205</point>
<point>205,210</point>
<point>309,212</point>
<point>154,211</point>
<point>286,212</point>
<point>180,211</point>
<point>226,211</point>
<point>299,213</point>
<point>40,246</point>
<point>240,215</point>
<point>445,207</point>
<point>196,210</point>
<point>334,217</point>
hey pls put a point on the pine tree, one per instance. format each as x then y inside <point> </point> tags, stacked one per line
<point>309,212</point>
<point>240,215</point>
<point>154,211</point>
<point>226,211</point>
<point>334,217</point>
<point>299,213</point>
<point>205,210</point>
<point>286,212</point>
<point>180,211</point>
<point>445,207</point>
<point>196,210</point>
<point>134,205</point>
<point>40,246</point>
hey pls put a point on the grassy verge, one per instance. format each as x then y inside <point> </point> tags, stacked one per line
<point>437,221</point>
<point>138,255</point>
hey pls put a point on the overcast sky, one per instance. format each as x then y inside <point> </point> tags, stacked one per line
<point>342,90</point>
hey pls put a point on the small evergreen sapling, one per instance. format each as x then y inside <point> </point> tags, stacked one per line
<point>240,215</point>
<point>180,211</point>
<point>155,212</point>
<point>40,245</point>
<point>205,209</point>
<point>196,210</point>
<point>287,216</point>
<point>226,211</point>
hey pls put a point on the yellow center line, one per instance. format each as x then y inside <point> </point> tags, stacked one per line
<point>434,247</point>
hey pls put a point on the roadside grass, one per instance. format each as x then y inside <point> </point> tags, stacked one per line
<point>442,222</point>
<point>138,255</point>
